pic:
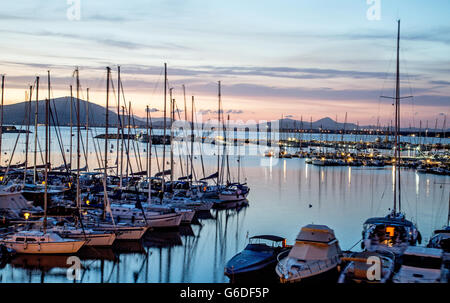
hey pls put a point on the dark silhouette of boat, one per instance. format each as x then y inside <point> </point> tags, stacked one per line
<point>258,260</point>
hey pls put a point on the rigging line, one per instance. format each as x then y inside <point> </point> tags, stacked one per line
<point>91,131</point>
<point>200,141</point>
<point>151,136</point>
<point>137,152</point>
<point>408,79</point>
<point>386,76</point>
<point>15,144</point>
<point>83,147</point>
<point>127,149</point>
<point>57,128</point>
<point>126,142</point>
<point>58,136</point>
<point>179,153</point>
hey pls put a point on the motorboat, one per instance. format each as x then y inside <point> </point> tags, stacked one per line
<point>257,260</point>
<point>368,267</point>
<point>422,265</point>
<point>315,256</point>
<point>13,203</point>
<point>393,233</point>
<point>38,242</point>
<point>441,239</point>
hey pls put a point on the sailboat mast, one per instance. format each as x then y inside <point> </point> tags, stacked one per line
<point>172,105</point>
<point>218,132</point>
<point>49,128</point>
<point>149,158</point>
<point>108,74</point>
<point>27,137</point>
<point>87,128</point>
<point>397,120</point>
<point>46,165</point>
<point>163,185</point>
<point>192,139</point>
<point>70,121</point>
<point>118,119</point>
<point>1,116</point>
<point>185,119</point>
<point>35,129</point>
<point>121,148</point>
<point>78,137</point>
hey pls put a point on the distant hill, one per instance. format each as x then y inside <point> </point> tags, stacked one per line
<point>330,124</point>
<point>14,114</point>
<point>324,123</point>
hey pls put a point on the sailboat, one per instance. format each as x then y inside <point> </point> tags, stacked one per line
<point>392,232</point>
<point>36,241</point>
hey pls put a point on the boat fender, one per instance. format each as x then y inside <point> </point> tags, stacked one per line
<point>12,189</point>
<point>25,246</point>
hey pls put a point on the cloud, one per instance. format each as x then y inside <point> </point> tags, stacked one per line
<point>440,82</point>
<point>229,111</point>
<point>235,111</point>
<point>152,110</point>
<point>127,44</point>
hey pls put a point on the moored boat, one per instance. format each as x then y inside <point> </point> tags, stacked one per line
<point>37,242</point>
<point>315,255</point>
<point>257,260</point>
<point>368,267</point>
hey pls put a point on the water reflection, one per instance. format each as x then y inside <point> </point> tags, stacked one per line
<point>283,198</point>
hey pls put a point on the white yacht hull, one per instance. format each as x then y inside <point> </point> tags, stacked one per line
<point>126,232</point>
<point>225,197</point>
<point>165,221</point>
<point>186,215</point>
<point>65,247</point>
<point>96,239</point>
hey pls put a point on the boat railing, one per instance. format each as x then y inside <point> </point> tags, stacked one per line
<point>310,267</point>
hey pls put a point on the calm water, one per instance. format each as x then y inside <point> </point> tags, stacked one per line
<point>284,197</point>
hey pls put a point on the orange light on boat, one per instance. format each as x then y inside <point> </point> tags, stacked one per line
<point>26,215</point>
<point>390,230</point>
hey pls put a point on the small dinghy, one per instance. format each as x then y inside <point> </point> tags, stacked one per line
<point>257,260</point>
<point>368,267</point>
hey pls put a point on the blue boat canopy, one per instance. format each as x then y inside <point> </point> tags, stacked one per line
<point>389,221</point>
<point>268,237</point>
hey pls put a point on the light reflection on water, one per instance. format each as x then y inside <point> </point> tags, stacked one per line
<point>283,198</point>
